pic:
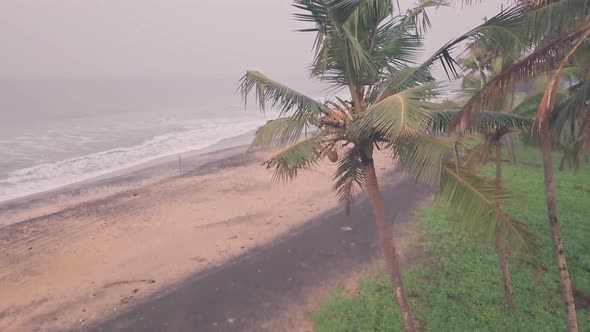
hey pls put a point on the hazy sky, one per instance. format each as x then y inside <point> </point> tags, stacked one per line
<point>76,38</point>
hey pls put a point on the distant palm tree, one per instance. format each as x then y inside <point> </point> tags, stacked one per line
<point>362,48</point>
<point>482,63</point>
<point>557,31</point>
<point>494,127</point>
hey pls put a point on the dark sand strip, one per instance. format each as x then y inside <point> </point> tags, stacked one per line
<point>253,289</point>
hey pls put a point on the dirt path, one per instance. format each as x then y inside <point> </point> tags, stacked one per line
<point>272,288</point>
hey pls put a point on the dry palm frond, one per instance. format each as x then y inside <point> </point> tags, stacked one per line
<point>543,60</point>
<point>348,178</point>
<point>548,101</point>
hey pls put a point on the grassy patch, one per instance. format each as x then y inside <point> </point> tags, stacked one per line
<point>465,291</point>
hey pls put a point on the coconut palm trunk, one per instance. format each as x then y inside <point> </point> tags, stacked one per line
<point>387,243</point>
<point>513,138</point>
<point>501,249</point>
<point>502,252</point>
<point>564,276</point>
<point>562,163</point>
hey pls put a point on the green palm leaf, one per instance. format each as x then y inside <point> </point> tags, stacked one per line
<point>529,105</point>
<point>574,106</point>
<point>281,131</point>
<point>418,17</point>
<point>359,62</point>
<point>404,113</point>
<point>421,155</point>
<point>507,30</point>
<point>281,97</point>
<point>473,200</point>
<point>326,14</point>
<point>570,122</point>
<point>399,80</point>
<point>369,15</point>
<point>548,19</point>
<point>395,46</point>
<point>302,155</point>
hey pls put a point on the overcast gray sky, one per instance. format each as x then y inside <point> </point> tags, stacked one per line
<point>81,38</point>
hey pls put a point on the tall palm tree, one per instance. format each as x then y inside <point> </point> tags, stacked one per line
<point>557,31</point>
<point>483,61</point>
<point>493,127</point>
<point>362,48</point>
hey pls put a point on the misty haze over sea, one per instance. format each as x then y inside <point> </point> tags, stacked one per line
<point>57,132</point>
<point>60,130</point>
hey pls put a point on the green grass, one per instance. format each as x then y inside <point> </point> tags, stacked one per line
<point>460,288</point>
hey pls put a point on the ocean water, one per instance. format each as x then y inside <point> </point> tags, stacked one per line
<point>57,132</point>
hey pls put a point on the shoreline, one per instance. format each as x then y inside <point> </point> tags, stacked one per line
<point>139,175</point>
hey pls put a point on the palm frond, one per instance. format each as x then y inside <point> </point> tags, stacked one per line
<point>404,113</point>
<point>421,155</point>
<point>395,47</point>
<point>368,15</point>
<point>529,102</point>
<point>570,122</point>
<point>342,57</point>
<point>302,155</point>
<point>281,131</point>
<point>348,178</point>
<point>529,105</point>
<point>549,19</point>
<point>399,41</point>
<point>328,61</point>
<point>483,122</point>
<point>473,200</point>
<point>549,100</point>
<point>574,106</point>
<point>543,60</point>
<point>472,83</point>
<point>329,18</point>
<point>405,78</point>
<point>417,17</point>
<point>281,97</point>
<point>325,14</point>
<point>506,31</point>
<point>360,63</point>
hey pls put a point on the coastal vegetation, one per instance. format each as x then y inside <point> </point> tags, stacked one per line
<point>457,285</point>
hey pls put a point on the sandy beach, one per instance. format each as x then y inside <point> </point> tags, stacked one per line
<point>75,257</point>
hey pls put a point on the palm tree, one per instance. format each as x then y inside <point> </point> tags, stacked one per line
<point>364,49</point>
<point>483,62</point>
<point>558,31</point>
<point>494,126</point>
